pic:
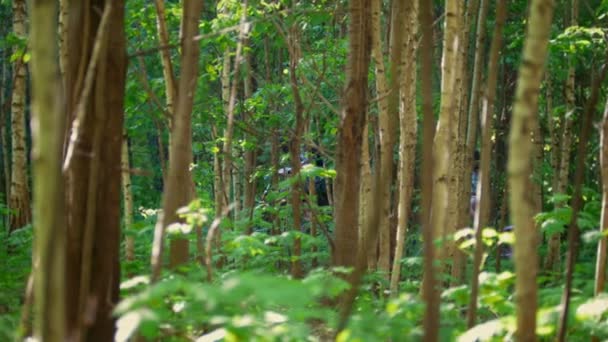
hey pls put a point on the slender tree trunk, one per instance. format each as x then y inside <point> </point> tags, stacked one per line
<point>444,214</point>
<point>218,184</point>
<point>350,135</point>
<point>476,94</point>
<point>6,163</point>
<point>250,153</point>
<point>163,38</point>
<point>520,166</point>
<point>229,131</point>
<point>407,141</point>
<point>179,179</point>
<point>430,294</point>
<point>577,200</point>
<point>19,200</point>
<point>127,197</point>
<point>457,209</point>
<point>482,212</point>
<point>95,84</point>
<point>365,196</point>
<point>386,136</point>
<point>48,121</point>
<point>236,177</point>
<point>553,258</point>
<point>602,247</point>
<point>294,149</point>
<point>348,164</point>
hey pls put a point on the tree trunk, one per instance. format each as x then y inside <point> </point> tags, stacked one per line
<point>577,199</point>
<point>444,213</point>
<point>387,127</point>
<point>553,258</point>
<point>250,152</point>
<point>602,247</point>
<point>520,166</point>
<point>177,191</point>
<point>482,212</point>
<point>350,135</point>
<point>95,101</point>
<point>430,294</point>
<point>365,196</point>
<point>19,200</point>
<point>6,163</point>
<point>457,209</point>
<point>48,121</point>
<point>294,149</point>
<point>408,139</point>
<point>163,38</point>
<point>127,197</point>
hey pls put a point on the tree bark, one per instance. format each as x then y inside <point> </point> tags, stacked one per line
<point>482,211</point>
<point>444,214</point>
<point>19,200</point>
<point>97,46</point>
<point>430,294</point>
<point>553,258</point>
<point>294,149</point>
<point>386,136</point>
<point>350,135</point>
<point>602,247</point>
<point>177,191</point>
<point>48,121</point>
<point>531,72</point>
<point>163,38</point>
<point>577,200</point>
<point>127,197</point>
<point>408,139</point>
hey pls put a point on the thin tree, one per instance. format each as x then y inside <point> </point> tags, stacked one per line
<point>430,295</point>
<point>577,200</point>
<point>482,210</point>
<point>177,188</point>
<point>350,135</point>
<point>602,247</point>
<point>48,121</point>
<point>444,213</point>
<point>348,166</point>
<point>127,198</point>
<point>407,140</point>
<point>562,173</point>
<point>19,200</point>
<point>531,73</point>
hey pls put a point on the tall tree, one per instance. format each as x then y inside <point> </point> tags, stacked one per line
<point>562,173</point>
<point>407,139</point>
<point>531,72</point>
<point>95,88</point>
<point>350,135</point>
<point>177,192</point>
<point>482,209</point>
<point>48,120</point>
<point>386,137</point>
<point>19,200</point>
<point>602,247</point>
<point>430,294</point>
<point>444,213</point>
<point>577,197</point>
<point>127,198</point>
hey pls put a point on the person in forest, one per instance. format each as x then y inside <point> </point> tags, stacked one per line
<point>474,181</point>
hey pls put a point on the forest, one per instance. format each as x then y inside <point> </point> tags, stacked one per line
<point>303,170</point>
